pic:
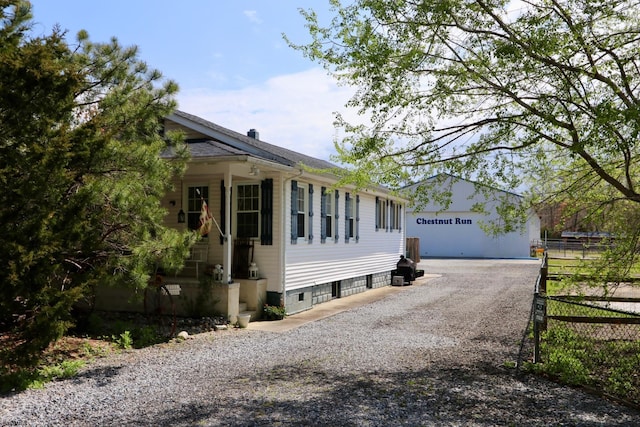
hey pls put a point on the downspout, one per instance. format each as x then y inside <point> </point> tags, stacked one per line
<point>283,252</point>
<point>226,258</point>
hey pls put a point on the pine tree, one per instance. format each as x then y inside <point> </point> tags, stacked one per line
<point>82,176</point>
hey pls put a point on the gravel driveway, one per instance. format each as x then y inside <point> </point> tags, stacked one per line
<point>429,354</point>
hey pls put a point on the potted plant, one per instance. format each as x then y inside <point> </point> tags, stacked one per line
<point>274,312</point>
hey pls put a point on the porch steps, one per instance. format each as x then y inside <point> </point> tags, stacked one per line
<point>242,309</point>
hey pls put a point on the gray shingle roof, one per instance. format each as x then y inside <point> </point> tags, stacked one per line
<point>225,142</point>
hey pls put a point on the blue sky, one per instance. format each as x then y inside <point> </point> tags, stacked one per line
<point>228,57</point>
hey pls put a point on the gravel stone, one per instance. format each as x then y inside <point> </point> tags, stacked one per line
<point>430,354</point>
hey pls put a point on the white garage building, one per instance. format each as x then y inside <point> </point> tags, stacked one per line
<point>456,231</point>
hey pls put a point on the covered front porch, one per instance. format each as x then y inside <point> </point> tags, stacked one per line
<point>188,297</point>
<point>198,298</point>
<point>230,203</point>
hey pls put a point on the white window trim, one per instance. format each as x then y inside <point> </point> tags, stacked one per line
<point>235,212</point>
<point>352,218</point>
<point>303,188</point>
<point>185,192</point>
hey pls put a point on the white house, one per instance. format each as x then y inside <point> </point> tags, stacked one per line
<point>456,231</point>
<point>310,243</point>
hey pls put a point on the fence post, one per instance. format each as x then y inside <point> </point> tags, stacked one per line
<point>536,331</point>
<point>540,307</point>
<point>544,271</point>
<point>539,321</point>
<point>542,290</point>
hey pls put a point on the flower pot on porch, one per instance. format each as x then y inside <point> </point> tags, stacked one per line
<point>243,320</point>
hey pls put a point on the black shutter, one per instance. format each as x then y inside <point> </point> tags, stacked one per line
<point>399,217</point>
<point>310,231</point>
<point>223,211</point>
<point>294,212</point>
<point>337,215</point>
<point>377,213</point>
<point>323,214</point>
<point>266,212</point>
<point>357,218</point>
<point>347,217</point>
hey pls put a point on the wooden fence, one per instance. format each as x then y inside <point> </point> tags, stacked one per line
<point>413,249</point>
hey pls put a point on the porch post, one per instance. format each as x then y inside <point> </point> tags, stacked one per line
<point>226,257</point>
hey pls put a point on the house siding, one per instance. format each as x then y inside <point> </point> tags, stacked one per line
<point>315,263</point>
<point>304,272</point>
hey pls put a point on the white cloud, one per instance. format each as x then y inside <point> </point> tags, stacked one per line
<point>253,16</point>
<point>294,111</point>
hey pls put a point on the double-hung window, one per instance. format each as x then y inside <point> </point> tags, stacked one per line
<point>248,210</point>
<point>326,215</point>
<point>348,217</point>
<point>302,205</point>
<point>396,216</point>
<point>195,196</point>
<point>351,217</point>
<point>381,214</point>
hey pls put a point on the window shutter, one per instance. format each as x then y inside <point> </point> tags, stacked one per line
<point>347,217</point>
<point>377,213</point>
<point>386,209</point>
<point>357,218</point>
<point>310,230</point>
<point>223,217</point>
<point>323,214</point>
<point>337,215</point>
<point>294,212</point>
<point>400,218</point>
<point>266,212</point>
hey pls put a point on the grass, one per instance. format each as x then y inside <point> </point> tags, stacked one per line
<point>600,357</point>
<point>63,359</point>
<point>563,279</point>
<point>609,366</point>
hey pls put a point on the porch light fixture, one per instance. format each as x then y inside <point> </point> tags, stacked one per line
<point>181,214</point>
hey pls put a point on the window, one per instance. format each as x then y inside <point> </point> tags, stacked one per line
<point>396,216</point>
<point>326,215</point>
<point>195,196</point>
<point>302,211</point>
<point>248,210</point>
<point>348,217</point>
<point>328,220</point>
<point>381,214</point>
<point>301,205</point>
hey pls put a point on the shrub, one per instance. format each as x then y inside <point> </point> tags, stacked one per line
<point>274,312</point>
